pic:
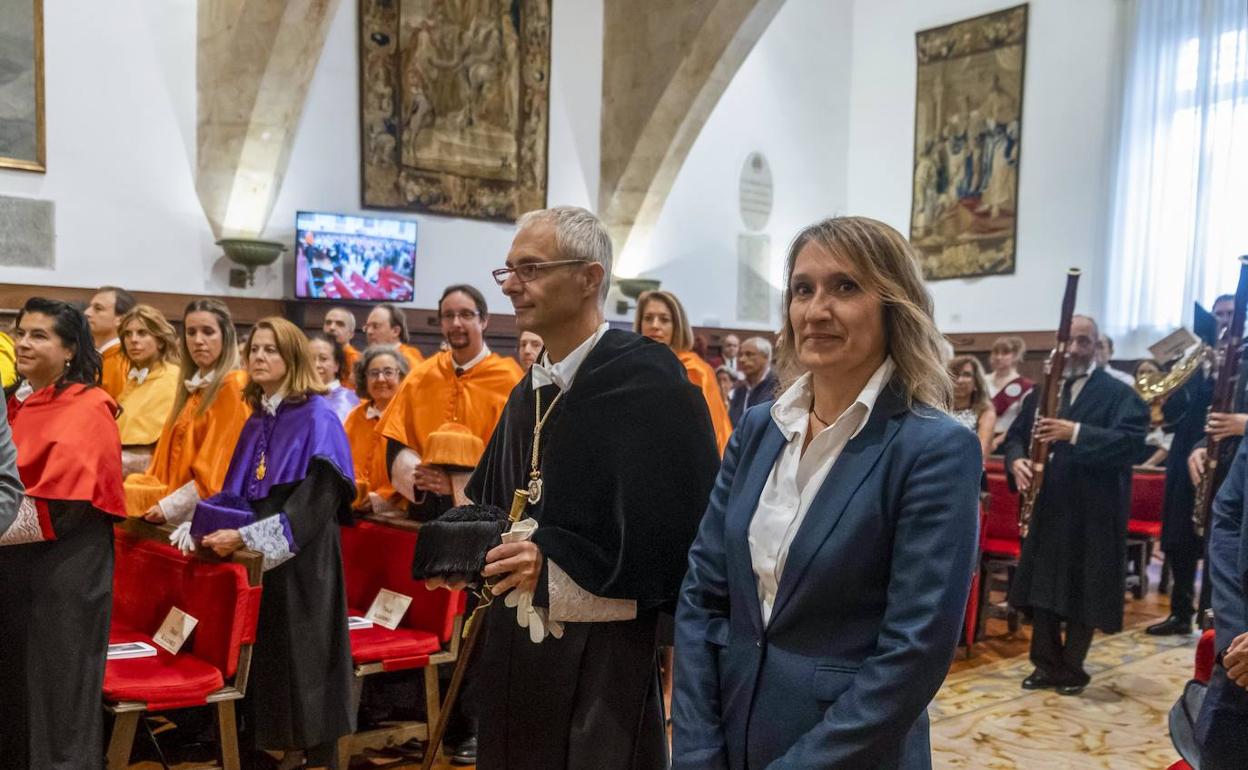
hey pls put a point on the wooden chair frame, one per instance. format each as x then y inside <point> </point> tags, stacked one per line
<point>128,713</point>
<point>399,732</point>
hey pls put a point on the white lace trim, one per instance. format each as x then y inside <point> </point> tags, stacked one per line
<point>25,528</point>
<point>401,473</point>
<point>135,460</point>
<point>179,505</point>
<point>569,603</point>
<point>381,506</point>
<point>268,536</point>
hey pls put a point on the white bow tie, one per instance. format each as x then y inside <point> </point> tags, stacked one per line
<point>138,374</point>
<point>372,412</point>
<point>543,376</point>
<point>197,383</point>
<point>24,390</point>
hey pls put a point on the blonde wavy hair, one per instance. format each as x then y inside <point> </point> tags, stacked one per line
<point>682,333</point>
<point>887,266</point>
<point>980,402</point>
<point>154,322</point>
<point>301,379</point>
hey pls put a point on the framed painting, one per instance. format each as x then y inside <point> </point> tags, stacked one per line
<point>967,145</point>
<point>454,106</point>
<point>21,85</point>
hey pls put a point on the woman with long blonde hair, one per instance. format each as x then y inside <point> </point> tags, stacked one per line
<point>150,345</point>
<point>289,485</point>
<point>661,317</point>
<point>194,449</point>
<point>825,591</point>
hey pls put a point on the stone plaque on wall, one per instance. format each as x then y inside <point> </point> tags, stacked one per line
<point>454,105</point>
<point>27,233</point>
<point>753,267</point>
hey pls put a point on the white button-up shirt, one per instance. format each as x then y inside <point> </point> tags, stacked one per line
<point>796,477</point>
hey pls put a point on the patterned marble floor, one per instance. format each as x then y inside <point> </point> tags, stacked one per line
<point>983,719</point>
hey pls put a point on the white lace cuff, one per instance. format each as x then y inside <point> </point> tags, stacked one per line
<point>135,460</point>
<point>270,536</point>
<point>25,528</point>
<point>569,603</point>
<point>179,505</point>
<point>382,506</point>
<point>402,472</point>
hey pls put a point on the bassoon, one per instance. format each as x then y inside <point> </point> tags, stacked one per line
<point>1224,389</point>
<point>1047,402</point>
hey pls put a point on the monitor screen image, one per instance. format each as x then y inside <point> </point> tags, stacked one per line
<point>348,257</point>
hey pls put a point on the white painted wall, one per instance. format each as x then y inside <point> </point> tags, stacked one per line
<point>789,101</point>
<point>120,82</point>
<point>1070,107</point>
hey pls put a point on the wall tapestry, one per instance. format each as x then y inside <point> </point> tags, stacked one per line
<point>967,140</point>
<point>21,85</point>
<point>454,105</point>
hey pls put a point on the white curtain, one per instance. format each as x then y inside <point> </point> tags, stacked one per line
<point>1180,209</point>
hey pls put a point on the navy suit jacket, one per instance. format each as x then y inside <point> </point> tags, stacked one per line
<point>1228,553</point>
<point>743,396</point>
<point>868,611</point>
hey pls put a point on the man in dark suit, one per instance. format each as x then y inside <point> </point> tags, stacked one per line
<point>760,383</point>
<point>1222,729</point>
<point>1072,570</point>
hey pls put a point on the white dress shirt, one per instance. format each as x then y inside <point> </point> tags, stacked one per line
<point>478,358</point>
<point>561,374</point>
<point>796,477</point>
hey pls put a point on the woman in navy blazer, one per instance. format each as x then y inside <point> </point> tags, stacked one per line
<point>827,585</point>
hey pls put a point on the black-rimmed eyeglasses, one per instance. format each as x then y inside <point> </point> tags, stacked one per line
<point>530,270</point>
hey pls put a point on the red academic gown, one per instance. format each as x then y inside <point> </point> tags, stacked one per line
<point>56,592</point>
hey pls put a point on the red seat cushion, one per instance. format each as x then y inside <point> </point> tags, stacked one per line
<point>162,682</point>
<point>398,649</point>
<point>1205,657</point>
<point>999,546</point>
<point>1149,529</point>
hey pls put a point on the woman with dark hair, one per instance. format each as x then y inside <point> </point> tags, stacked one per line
<point>289,486</point>
<point>56,563</point>
<point>826,588</point>
<point>194,449</point>
<point>329,359</point>
<point>377,377</point>
<point>150,345</point>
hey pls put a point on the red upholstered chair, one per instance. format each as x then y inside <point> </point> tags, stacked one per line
<point>970,623</point>
<point>1001,546</point>
<point>1144,527</point>
<point>377,554</point>
<point>149,578</point>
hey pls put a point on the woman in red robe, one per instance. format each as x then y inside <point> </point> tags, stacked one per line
<point>56,558</point>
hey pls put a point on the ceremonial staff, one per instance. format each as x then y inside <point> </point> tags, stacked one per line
<point>1047,402</point>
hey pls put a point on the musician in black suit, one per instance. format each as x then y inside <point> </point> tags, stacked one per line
<point>1072,572</point>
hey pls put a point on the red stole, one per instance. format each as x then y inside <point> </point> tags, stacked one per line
<point>68,448</point>
<point>1011,393</point>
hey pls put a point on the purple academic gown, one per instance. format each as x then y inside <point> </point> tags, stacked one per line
<point>289,485</point>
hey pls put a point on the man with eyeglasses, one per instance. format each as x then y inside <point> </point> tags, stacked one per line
<point>386,325</point>
<point>617,486</point>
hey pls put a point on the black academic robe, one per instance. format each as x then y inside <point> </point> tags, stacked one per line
<point>628,461</point>
<point>56,598</point>
<point>1073,561</point>
<point>299,695</point>
<point>1187,410</point>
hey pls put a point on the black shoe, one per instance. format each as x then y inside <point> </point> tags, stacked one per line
<point>1071,689</point>
<point>1039,680</point>
<point>465,753</point>
<point>1171,626</point>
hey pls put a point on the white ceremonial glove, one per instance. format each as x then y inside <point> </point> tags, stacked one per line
<point>527,616</point>
<point>181,538</point>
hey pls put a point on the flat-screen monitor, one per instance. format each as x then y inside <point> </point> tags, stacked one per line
<point>347,257</point>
